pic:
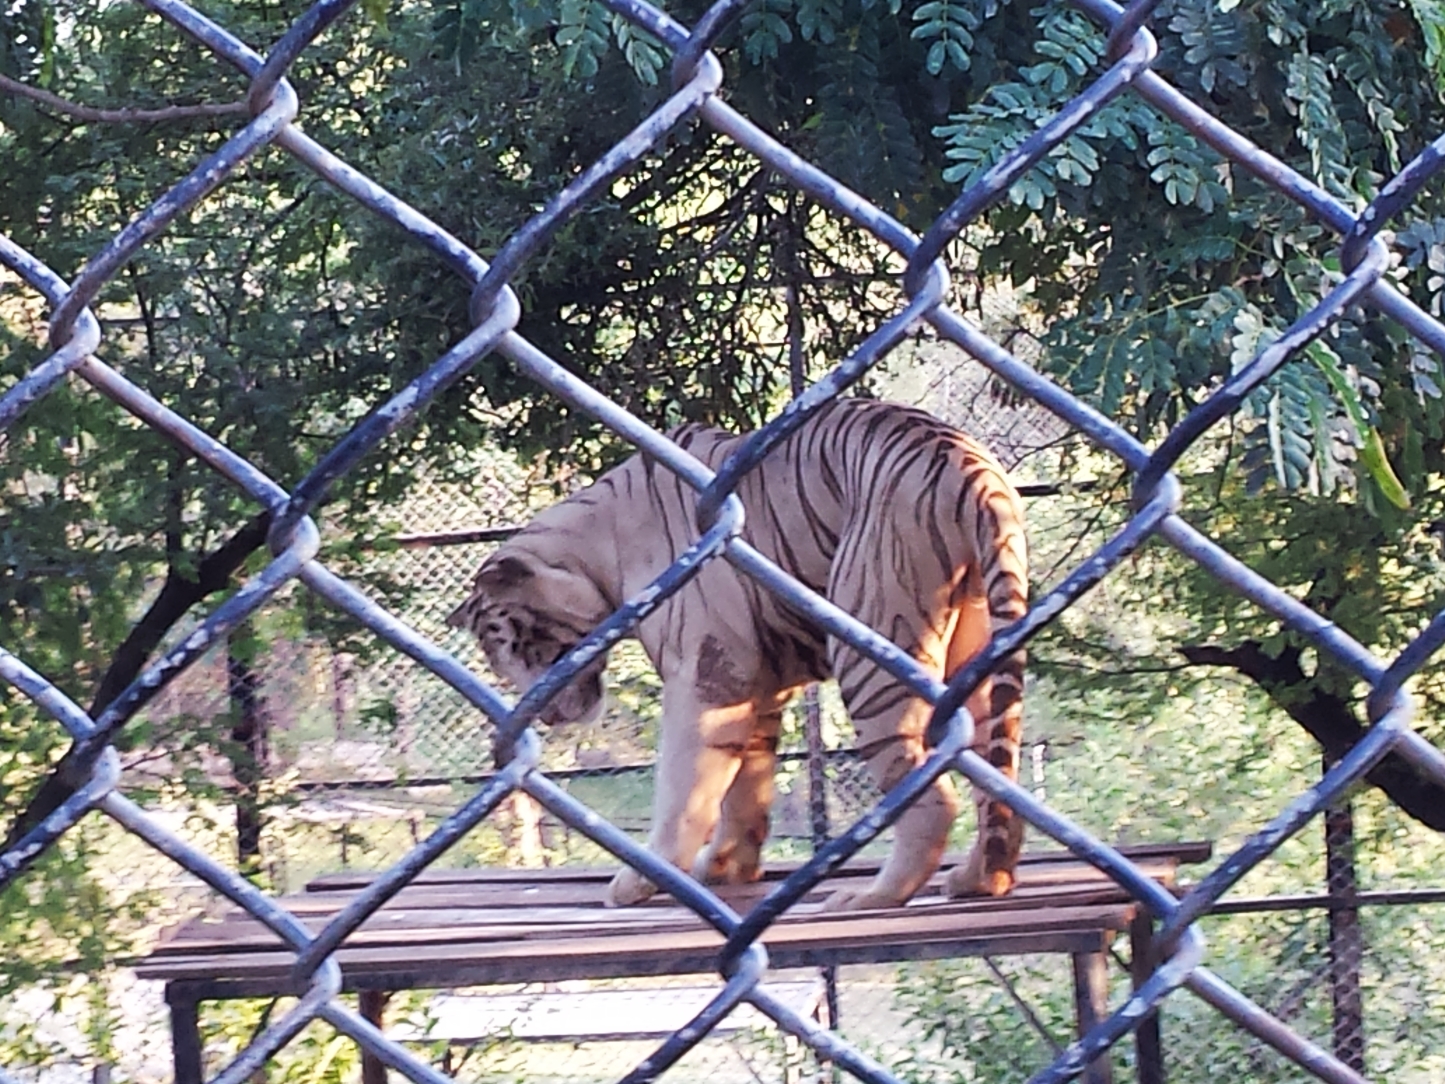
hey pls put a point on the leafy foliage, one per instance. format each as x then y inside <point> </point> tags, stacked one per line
<point>1214,43</point>
<point>948,27</point>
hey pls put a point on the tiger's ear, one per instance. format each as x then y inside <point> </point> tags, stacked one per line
<point>506,571</point>
<point>494,575</point>
<point>460,618</point>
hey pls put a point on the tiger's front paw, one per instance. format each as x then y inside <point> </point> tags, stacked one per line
<point>860,899</point>
<point>739,866</point>
<point>971,879</point>
<point>629,887</point>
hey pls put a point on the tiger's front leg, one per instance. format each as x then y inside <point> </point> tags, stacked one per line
<point>734,854</point>
<point>700,750</point>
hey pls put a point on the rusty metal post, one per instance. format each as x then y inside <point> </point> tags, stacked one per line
<point>1148,1044</point>
<point>1346,939</point>
<point>185,1035</point>
<point>1091,1004</point>
<point>373,1010</point>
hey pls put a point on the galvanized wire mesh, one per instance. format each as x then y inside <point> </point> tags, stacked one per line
<point>1183,963</point>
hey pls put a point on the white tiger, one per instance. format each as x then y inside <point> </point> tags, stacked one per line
<point>896,517</point>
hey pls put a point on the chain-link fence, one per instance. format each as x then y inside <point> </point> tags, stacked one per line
<point>434,720</point>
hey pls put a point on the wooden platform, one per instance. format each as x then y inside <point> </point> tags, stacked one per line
<point>453,928</point>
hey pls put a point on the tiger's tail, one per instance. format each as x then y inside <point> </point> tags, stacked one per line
<point>997,703</point>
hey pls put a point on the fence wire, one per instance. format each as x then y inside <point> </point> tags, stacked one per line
<point>92,766</point>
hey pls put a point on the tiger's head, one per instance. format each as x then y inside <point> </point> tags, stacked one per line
<point>525,615</point>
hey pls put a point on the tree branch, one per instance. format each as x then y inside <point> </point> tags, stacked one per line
<point>1330,719</point>
<point>119,116</point>
<point>177,596</point>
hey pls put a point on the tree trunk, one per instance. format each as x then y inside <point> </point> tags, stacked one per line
<point>247,755</point>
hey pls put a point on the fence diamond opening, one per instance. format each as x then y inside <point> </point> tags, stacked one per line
<point>89,773</point>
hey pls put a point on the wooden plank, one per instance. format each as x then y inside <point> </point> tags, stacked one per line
<point>869,927</point>
<point>453,915</point>
<point>373,1011</point>
<point>1091,1004</point>
<point>543,893</point>
<point>239,932</point>
<point>832,932</point>
<point>1183,853</point>
<point>186,1047</point>
<point>345,879</point>
<point>698,961</point>
<point>546,894</point>
<point>239,926</point>
<point>1148,1038</point>
<point>1027,894</point>
<point>504,943</point>
<point>493,927</point>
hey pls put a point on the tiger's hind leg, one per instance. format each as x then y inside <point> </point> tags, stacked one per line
<point>887,575</point>
<point>890,725</point>
<point>997,710</point>
<point>920,835</point>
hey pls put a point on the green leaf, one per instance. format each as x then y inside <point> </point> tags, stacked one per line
<point>949,26</point>
<point>375,10</point>
<point>644,53</point>
<point>1319,127</point>
<point>818,20</point>
<point>1430,17</point>
<point>1348,395</point>
<point>583,37</point>
<point>936,57</point>
<point>765,31</point>
<point>1377,463</point>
